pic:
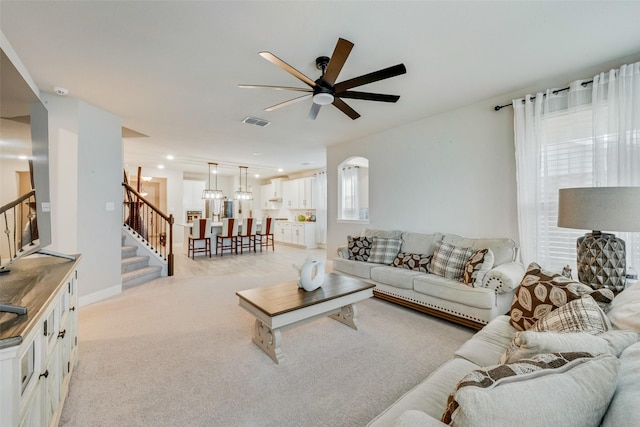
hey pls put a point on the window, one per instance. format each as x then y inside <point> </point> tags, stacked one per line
<point>353,189</point>
<point>565,161</point>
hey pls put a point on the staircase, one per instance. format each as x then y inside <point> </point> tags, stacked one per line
<point>136,269</point>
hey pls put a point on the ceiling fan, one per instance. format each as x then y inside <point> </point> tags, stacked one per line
<point>325,90</point>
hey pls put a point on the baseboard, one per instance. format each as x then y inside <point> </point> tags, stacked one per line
<point>100,295</point>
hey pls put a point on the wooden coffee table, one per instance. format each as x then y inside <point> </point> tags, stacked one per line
<point>285,305</point>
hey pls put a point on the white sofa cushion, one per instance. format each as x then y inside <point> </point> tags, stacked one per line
<point>354,268</point>
<point>430,395</point>
<point>415,418</point>
<point>386,234</point>
<point>529,343</point>
<point>394,276</point>
<point>504,249</point>
<point>489,343</point>
<point>624,406</point>
<point>625,308</point>
<point>420,243</point>
<point>452,290</point>
<point>560,389</point>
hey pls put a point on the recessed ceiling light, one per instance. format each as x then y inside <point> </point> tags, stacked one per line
<point>257,175</point>
<point>170,157</point>
<point>257,154</point>
<point>160,166</point>
<point>280,170</point>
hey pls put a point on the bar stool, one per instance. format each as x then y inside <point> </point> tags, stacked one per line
<point>265,236</point>
<point>229,232</point>
<point>247,238</point>
<point>201,230</point>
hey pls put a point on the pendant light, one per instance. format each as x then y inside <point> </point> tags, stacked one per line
<point>209,193</point>
<point>244,195</point>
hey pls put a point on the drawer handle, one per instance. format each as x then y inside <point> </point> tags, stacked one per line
<point>62,333</point>
<point>45,374</point>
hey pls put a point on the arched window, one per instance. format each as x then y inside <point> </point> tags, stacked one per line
<point>353,189</point>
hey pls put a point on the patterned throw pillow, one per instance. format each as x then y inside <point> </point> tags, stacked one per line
<point>579,315</point>
<point>417,262</point>
<point>585,380</point>
<point>384,251</point>
<point>540,292</point>
<point>359,247</point>
<point>480,262</point>
<point>449,260</point>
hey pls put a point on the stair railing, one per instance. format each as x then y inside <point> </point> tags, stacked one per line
<point>20,227</point>
<point>149,223</point>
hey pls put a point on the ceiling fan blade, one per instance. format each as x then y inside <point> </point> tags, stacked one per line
<point>288,68</point>
<point>313,113</point>
<point>289,102</point>
<point>342,106</point>
<point>338,58</point>
<point>386,73</point>
<point>368,96</point>
<point>299,89</point>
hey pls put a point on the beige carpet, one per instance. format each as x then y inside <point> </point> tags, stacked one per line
<point>178,352</point>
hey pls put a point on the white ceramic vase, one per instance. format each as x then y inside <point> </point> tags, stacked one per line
<point>311,275</point>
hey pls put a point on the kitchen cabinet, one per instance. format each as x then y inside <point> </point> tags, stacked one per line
<point>298,193</point>
<point>39,351</point>
<point>271,194</point>
<point>301,234</point>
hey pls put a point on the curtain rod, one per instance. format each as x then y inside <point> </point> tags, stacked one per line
<point>555,92</point>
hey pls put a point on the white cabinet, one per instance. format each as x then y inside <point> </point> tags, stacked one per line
<point>265,195</point>
<point>298,193</point>
<point>38,353</point>
<point>271,192</point>
<point>301,234</point>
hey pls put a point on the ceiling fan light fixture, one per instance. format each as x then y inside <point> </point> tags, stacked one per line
<point>322,98</point>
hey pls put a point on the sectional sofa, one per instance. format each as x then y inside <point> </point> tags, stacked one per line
<point>571,359</point>
<point>468,281</point>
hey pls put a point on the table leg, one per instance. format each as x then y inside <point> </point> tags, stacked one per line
<point>347,316</point>
<point>268,340</point>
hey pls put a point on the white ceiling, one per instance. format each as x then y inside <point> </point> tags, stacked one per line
<point>171,69</point>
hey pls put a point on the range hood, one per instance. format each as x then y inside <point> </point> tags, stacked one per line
<point>276,199</point>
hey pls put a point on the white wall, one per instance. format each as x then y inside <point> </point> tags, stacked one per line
<point>452,173</point>
<point>86,175</point>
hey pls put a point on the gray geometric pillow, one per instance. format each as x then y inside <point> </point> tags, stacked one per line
<point>359,248</point>
<point>449,260</point>
<point>384,251</point>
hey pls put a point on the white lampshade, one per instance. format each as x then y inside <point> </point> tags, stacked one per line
<point>600,208</point>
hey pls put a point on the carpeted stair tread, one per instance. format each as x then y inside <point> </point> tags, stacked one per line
<point>128,251</point>
<point>134,263</point>
<point>141,275</point>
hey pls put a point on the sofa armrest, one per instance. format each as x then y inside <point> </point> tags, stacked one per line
<point>415,418</point>
<point>504,277</point>
<point>343,252</point>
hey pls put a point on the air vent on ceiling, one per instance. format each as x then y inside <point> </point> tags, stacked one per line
<point>256,121</point>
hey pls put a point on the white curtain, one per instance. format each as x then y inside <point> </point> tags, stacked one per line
<point>349,193</point>
<point>616,137</point>
<point>583,136</point>
<point>320,201</point>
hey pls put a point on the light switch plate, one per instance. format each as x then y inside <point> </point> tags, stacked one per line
<point>110,206</point>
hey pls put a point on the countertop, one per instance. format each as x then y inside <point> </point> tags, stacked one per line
<point>32,282</point>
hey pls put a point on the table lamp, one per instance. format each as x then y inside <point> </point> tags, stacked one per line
<point>601,256</point>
